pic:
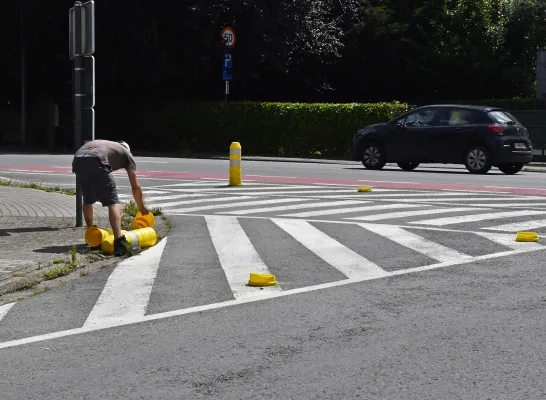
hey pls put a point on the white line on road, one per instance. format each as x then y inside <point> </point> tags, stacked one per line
<point>230,303</point>
<point>5,309</point>
<point>417,243</point>
<point>295,207</point>
<point>351,264</point>
<point>210,200</point>
<point>509,241</point>
<point>126,294</point>
<point>237,255</point>
<point>413,213</point>
<point>518,226</point>
<point>352,210</point>
<point>234,205</point>
<point>477,217</point>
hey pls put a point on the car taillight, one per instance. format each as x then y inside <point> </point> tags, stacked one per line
<point>495,129</point>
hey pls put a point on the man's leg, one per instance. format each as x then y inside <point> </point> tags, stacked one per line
<point>114,215</point>
<point>88,214</point>
<point>109,198</point>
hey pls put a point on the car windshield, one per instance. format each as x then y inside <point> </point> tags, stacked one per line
<point>503,117</point>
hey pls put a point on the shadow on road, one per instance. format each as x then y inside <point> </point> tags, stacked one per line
<point>61,249</point>
<point>424,171</point>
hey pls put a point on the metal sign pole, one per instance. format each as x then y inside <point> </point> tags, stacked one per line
<point>82,44</point>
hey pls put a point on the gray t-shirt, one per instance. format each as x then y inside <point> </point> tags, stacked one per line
<point>110,154</point>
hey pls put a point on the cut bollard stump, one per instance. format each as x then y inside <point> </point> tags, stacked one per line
<point>364,189</point>
<point>262,280</point>
<point>527,237</point>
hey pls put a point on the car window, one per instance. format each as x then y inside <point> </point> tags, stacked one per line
<point>458,116</point>
<point>421,118</point>
<point>503,117</point>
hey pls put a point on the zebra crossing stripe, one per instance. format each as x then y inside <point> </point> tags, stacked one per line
<point>417,243</point>
<point>509,241</point>
<point>477,217</point>
<point>518,226</point>
<point>126,294</point>
<point>353,209</point>
<point>404,214</point>
<point>237,255</point>
<point>295,207</point>
<point>208,200</point>
<point>351,264</point>
<point>233,205</point>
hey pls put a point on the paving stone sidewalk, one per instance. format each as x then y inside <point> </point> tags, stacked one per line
<point>38,227</point>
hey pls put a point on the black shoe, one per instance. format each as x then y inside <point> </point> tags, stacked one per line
<point>119,246</point>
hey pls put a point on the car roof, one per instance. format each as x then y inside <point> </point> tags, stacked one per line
<point>467,106</point>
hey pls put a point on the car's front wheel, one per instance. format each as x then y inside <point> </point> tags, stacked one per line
<point>374,156</point>
<point>477,160</point>
<point>408,166</point>
<point>511,169</point>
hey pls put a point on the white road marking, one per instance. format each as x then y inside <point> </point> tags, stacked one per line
<point>225,304</point>
<point>237,255</point>
<point>413,213</point>
<point>209,199</point>
<point>518,226</point>
<point>198,183</point>
<point>299,192</point>
<point>353,209</point>
<point>234,205</point>
<point>417,243</point>
<point>126,294</point>
<point>253,190</point>
<point>5,309</point>
<point>477,217</point>
<point>351,264</point>
<point>509,241</point>
<point>435,194</point>
<point>175,197</point>
<point>295,207</point>
<point>485,198</point>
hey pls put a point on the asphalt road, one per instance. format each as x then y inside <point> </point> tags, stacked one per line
<point>363,309</point>
<point>436,174</point>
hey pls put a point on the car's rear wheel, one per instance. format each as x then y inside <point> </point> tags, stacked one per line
<point>408,166</point>
<point>374,156</point>
<point>477,160</point>
<point>511,169</point>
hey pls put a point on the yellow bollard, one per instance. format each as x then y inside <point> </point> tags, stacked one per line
<point>235,175</point>
<point>141,238</point>
<point>107,244</point>
<point>143,221</point>
<point>95,235</point>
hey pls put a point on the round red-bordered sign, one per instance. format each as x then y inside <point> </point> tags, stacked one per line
<point>228,37</point>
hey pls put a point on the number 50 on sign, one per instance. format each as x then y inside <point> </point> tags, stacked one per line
<point>228,36</point>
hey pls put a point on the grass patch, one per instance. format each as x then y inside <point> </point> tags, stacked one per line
<point>31,185</point>
<point>68,266</point>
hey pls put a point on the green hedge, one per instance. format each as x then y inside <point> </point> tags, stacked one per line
<point>277,129</point>
<point>268,129</point>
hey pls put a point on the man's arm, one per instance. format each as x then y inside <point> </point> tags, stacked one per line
<point>137,192</point>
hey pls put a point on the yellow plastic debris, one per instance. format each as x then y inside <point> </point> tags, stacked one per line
<point>262,280</point>
<point>527,237</point>
<point>364,189</point>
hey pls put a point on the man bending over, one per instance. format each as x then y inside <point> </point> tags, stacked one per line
<point>93,165</point>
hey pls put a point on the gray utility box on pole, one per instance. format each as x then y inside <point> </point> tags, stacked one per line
<point>81,47</point>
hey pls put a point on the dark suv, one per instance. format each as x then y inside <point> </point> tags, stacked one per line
<point>478,137</point>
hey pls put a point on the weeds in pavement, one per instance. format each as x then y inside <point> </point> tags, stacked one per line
<point>70,265</point>
<point>31,185</point>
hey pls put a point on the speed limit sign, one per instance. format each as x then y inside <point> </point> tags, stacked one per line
<point>228,37</point>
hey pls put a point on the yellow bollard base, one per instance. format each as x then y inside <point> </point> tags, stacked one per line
<point>262,280</point>
<point>527,237</point>
<point>364,189</point>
